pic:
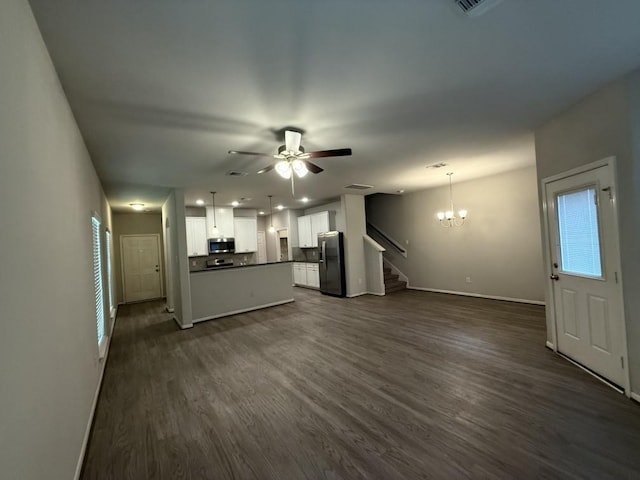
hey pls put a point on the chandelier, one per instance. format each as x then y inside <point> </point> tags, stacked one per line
<point>448,218</point>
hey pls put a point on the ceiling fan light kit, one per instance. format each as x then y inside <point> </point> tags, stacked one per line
<point>292,158</point>
<point>448,218</point>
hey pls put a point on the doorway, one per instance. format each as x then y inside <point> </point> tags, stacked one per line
<point>283,245</point>
<point>141,267</point>
<point>585,288</point>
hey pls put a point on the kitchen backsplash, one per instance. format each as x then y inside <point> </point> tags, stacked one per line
<point>198,263</point>
<point>305,254</point>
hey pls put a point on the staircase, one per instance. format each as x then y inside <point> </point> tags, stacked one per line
<point>391,281</point>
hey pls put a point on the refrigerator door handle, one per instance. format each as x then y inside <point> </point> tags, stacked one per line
<point>323,252</point>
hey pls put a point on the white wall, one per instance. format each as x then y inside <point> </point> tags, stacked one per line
<point>498,247</point>
<point>48,187</point>
<point>174,216</point>
<point>355,228</point>
<point>605,124</point>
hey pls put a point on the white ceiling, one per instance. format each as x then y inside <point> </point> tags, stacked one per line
<point>161,89</point>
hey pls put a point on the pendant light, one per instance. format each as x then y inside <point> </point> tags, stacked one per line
<point>271,228</point>
<point>448,218</point>
<point>214,231</point>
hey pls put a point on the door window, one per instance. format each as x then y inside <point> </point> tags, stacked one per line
<point>579,233</point>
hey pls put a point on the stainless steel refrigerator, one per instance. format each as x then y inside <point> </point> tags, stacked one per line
<point>331,264</point>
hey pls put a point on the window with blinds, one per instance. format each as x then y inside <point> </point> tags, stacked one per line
<point>109,272</point>
<point>579,233</point>
<point>97,280</point>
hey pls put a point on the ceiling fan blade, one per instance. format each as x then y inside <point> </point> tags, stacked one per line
<point>237,152</point>
<point>292,140</point>
<point>312,167</point>
<point>340,152</point>
<point>266,169</point>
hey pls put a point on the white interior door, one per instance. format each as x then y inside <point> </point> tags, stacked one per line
<point>140,267</point>
<point>585,271</point>
<point>262,247</point>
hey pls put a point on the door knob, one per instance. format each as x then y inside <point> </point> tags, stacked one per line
<point>554,277</point>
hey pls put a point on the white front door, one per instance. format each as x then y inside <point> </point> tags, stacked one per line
<point>587,299</point>
<point>140,267</point>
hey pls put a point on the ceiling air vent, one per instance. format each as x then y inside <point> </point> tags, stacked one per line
<point>473,8</point>
<point>233,173</point>
<point>437,165</point>
<point>359,186</point>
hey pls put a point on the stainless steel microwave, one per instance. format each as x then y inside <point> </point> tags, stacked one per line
<point>221,245</point>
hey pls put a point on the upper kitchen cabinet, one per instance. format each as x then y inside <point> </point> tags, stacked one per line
<point>246,234</point>
<point>319,224</point>
<point>224,222</point>
<point>309,226</point>
<point>196,236</point>
<point>304,232</point>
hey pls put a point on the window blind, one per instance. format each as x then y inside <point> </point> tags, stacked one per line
<point>579,233</point>
<point>97,279</point>
<point>109,271</point>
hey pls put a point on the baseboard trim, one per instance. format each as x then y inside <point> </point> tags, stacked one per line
<point>169,310</point>
<point>353,295</point>
<point>243,310</point>
<point>550,346</point>
<point>182,327</point>
<point>87,433</point>
<point>635,396</point>
<point>376,294</point>
<point>478,295</point>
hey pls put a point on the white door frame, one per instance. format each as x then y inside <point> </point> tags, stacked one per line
<point>610,163</point>
<point>157,235</point>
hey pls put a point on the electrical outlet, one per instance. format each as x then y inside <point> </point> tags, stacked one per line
<point>193,263</point>
<point>468,280</point>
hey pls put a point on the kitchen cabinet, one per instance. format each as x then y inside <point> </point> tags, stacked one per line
<point>300,273</point>
<point>306,274</point>
<point>313,275</point>
<point>196,236</point>
<point>309,226</point>
<point>224,222</point>
<point>246,234</point>
<point>304,232</point>
<point>319,224</point>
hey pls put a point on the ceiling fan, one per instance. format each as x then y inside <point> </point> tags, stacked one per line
<point>293,159</point>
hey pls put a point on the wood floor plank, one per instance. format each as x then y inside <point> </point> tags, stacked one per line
<point>407,386</point>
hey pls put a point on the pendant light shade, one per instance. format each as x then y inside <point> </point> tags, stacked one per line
<point>214,231</point>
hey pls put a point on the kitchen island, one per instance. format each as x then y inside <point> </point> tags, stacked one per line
<point>222,291</point>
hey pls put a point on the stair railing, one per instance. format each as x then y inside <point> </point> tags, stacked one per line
<point>387,240</point>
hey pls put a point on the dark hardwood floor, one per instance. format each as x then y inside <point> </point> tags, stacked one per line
<point>408,386</point>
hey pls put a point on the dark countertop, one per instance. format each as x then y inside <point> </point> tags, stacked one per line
<point>227,267</point>
<point>304,261</point>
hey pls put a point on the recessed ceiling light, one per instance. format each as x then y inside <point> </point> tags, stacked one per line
<point>261,212</point>
<point>280,207</point>
<point>199,202</point>
<point>138,207</point>
<point>235,203</point>
<point>304,199</point>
